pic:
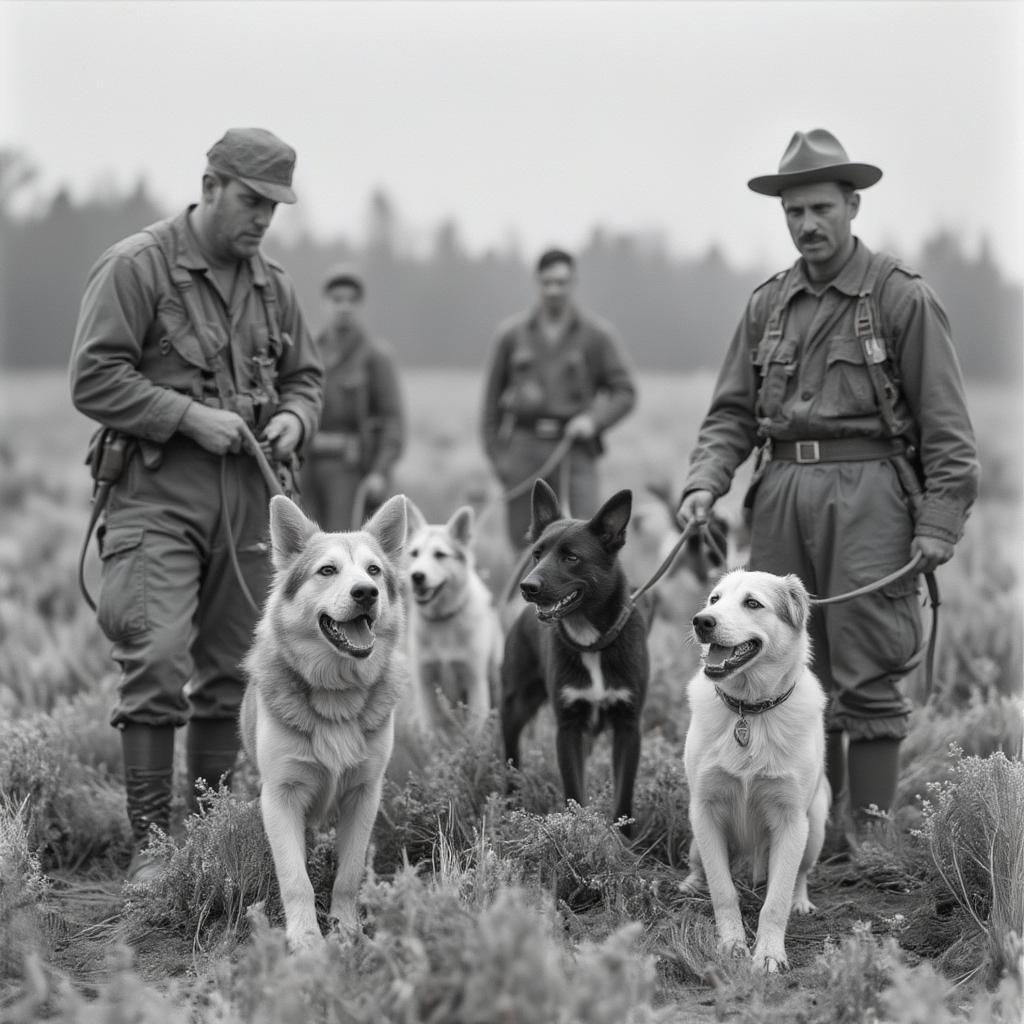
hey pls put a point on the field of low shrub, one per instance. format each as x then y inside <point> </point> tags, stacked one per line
<point>487,899</point>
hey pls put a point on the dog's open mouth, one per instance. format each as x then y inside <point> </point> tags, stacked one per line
<point>564,605</point>
<point>355,636</point>
<point>424,595</point>
<point>721,660</point>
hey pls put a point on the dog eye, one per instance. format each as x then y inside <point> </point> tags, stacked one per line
<point>536,555</point>
<point>326,570</point>
<point>753,603</point>
<point>570,557</point>
<point>440,555</point>
<point>713,599</point>
<point>373,569</point>
<point>415,553</point>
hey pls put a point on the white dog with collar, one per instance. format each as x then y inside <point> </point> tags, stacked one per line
<point>755,757</point>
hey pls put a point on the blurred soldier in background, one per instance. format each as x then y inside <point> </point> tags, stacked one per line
<point>555,372</point>
<point>187,338</point>
<point>843,372</point>
<point>347,474</point>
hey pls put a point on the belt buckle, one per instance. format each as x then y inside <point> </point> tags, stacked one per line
<point>808,452</point>
<point>547,428</point>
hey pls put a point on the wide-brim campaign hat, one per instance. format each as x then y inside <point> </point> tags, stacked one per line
<point>258,159</point>
<point>815,156</point>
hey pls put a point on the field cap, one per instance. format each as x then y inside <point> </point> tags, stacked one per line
<point>257,158</point>
<point>344,273</point>
<point>814,156</point>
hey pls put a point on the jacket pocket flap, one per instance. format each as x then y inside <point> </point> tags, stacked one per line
<point>845,350</point>
<point>121,539</point>
<point>768,350</point>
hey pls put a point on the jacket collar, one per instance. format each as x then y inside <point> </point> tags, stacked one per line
<point>191,256</point>
<point>847,281</point>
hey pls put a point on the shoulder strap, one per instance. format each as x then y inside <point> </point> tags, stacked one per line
<point>777,316</point>
<point>182,280</point>
<point>872,340</point>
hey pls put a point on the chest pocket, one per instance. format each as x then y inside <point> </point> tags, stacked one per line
<point>264,355</point>
<point>525,394</point>
<point>846,389</point>
<point>776,364</point>
<point>176,339</point>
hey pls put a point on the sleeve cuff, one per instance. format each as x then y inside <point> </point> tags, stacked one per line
<point>940,521</point>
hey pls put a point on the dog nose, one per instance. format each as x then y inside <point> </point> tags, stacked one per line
<point>418,578</point>
<point>530,588</point>
<point>704,623</point>
<point>364,593</point>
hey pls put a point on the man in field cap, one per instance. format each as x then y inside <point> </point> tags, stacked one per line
<point>187,338</point>
<point>843,376</point>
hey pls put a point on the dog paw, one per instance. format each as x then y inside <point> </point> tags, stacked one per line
<point>304,941</point>
<point>803,906</point>
<point>693,885</point>
<point>733,949</point>
<point>770,964</point>
<point>770,957</point>
<point>345,929</point>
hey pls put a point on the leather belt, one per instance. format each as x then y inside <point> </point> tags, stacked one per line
<point>548,428</point>
<point>837,449</point>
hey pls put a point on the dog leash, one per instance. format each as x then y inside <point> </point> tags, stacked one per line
<point>933,599</point>
<point>608,637</point>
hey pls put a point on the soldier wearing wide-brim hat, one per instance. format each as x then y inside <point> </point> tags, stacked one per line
<point>188,337</point>
<point>348,470</point>
<point>842,374</point>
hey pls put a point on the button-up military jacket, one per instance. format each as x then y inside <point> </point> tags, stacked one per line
<point>818,385</point>
<point>136,363</point>
<point>530,377</point>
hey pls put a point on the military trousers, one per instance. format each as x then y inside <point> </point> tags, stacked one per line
<point>170,601</point>
<point>329,487</point>
<point>576,480</point>
<point>839,526</point>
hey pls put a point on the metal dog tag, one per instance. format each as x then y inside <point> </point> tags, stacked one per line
<point>741,732</point>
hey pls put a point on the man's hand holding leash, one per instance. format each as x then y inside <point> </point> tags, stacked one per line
<point>933,552</point>
<point>695,505</point>
<point>217,430</point>
<point>283,433</point>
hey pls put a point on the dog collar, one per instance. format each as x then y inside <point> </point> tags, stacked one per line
<point>741,731</point>
<point>605,639</point>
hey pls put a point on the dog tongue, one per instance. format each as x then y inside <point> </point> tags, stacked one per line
<point>357,631</point>
<point>717,654</point>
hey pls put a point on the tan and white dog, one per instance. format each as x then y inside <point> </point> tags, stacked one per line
<point>755,756</point>
<point>326,669</point>
<point>455,637</point>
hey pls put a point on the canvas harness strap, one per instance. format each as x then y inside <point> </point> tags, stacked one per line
<point>257,407</point>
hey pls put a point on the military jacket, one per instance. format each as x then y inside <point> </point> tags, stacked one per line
<point>361,394</point>
<point>817,385</point>
<point>532,378</point>
<point>136,363</point>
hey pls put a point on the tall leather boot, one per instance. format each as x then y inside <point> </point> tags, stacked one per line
<point>211,747</point>
<point>148,780</point>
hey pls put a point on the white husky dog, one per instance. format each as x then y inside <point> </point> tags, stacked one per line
<point>455,637</point>
<point>326,671</point>
<point>755,756</point>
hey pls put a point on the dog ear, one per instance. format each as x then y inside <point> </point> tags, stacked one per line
<point>611,520</point>
<point>289,530</point>
<point>414,518</point>
<point>460,526</point>
<point>794,603</point>
<point>389,525</point>
<point>545,509</point>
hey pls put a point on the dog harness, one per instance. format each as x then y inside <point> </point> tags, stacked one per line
<point>741,731</point>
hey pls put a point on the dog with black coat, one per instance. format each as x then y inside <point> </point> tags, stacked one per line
<point>583,645</point>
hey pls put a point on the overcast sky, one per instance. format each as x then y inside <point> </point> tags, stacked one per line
<point>538,120</point>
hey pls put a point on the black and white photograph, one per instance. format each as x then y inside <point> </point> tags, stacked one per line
<point>512,511</point>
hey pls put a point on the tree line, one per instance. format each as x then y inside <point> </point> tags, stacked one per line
<point>439,307</point>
